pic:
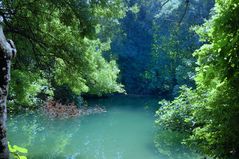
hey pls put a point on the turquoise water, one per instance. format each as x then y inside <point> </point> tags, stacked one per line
<point>125,131</point>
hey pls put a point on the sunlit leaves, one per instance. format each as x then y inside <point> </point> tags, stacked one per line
<point>25,86</point>
<point>17,152</point>
<point>215,110</point>
<point>58,43</point>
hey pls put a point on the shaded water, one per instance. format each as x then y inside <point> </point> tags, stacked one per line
<point>126,131</point>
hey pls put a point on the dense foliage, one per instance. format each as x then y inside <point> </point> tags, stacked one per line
<point>210,113</point>
<point>155,53</point>
<point>61,43</point>
<point>67,48</point>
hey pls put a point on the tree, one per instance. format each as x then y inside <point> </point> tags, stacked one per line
<point>7,52</point>
<point>158,61</point>
<point>59,43</point>
<point>212,109</point>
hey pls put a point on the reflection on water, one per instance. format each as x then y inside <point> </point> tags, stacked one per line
<point>126,131</point>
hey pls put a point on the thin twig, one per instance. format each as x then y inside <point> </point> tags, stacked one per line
<point>184,13</point>
<point>164,3</point>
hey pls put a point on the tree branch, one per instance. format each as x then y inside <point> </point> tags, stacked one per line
<point>184,13</point>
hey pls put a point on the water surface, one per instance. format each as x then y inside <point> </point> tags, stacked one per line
<point>125,131</point>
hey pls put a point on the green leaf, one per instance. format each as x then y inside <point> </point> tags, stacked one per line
<point>20,149</point>
<point>11,149</point>
<point>22,157</point>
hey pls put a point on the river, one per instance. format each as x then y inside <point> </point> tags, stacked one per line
<point>125,131</point>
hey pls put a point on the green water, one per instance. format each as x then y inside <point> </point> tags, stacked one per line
<point>126,131</point>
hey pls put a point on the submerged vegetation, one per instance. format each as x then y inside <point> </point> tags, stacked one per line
<point>184,52</point>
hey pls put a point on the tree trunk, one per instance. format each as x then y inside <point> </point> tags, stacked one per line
<point>7,52</point>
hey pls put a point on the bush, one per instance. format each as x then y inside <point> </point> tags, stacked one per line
<point>178,114</point>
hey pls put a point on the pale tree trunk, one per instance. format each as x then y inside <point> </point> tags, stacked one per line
<point>7,52</point>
